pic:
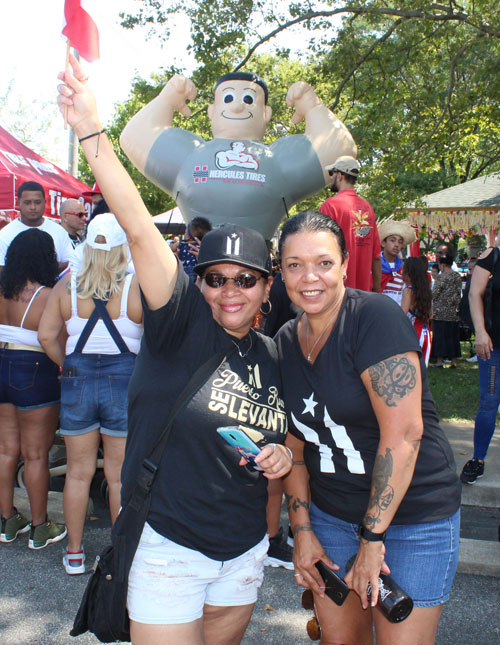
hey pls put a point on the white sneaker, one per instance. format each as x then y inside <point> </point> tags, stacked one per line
<point>472,359</point>
<point>74,563</point>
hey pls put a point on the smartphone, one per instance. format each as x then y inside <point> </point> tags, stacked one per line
<point>335,588</point>
<point>242,443</point>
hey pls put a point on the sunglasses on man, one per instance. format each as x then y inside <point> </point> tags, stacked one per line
<point>79,213</point>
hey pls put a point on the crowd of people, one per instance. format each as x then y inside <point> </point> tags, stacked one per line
<point>321,363</point>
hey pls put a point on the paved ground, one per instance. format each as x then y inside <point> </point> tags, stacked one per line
<point>38,600</point>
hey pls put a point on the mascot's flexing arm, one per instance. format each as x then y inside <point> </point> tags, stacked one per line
<point>235,177</point>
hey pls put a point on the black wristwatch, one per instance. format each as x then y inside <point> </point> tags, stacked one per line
<point>370,536</point>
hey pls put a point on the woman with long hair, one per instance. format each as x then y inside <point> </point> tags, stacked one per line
<point>97,363</point>
<point>417,302</point>
<point>200,559</point>
<point>30,389</point>
<point>373,474</point>
<point>487,337</point>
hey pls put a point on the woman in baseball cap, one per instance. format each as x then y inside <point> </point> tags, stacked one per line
<point>97,361</point>
<point>206,526</point>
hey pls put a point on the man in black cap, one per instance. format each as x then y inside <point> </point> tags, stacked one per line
<point>357,220</point>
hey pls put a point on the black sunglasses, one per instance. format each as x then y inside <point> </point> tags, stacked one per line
<point>242,281</point>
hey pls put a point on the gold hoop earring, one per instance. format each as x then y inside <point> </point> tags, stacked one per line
<point>266,313</point>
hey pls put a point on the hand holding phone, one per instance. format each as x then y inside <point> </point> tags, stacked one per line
<point>335,588</point>
<point>242,443</point>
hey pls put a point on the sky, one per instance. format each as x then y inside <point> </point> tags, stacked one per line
<point>33,51</point>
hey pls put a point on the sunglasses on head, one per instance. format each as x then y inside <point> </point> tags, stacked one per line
<point>79,213</point>
<point>242,281</point>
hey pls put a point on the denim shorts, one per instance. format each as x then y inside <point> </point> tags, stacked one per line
<point>28,380</point>
<point>423,558</point>
<point>94,393</point>
<point>169,584</point>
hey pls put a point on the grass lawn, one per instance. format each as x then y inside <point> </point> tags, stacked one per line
<point>456,392</point>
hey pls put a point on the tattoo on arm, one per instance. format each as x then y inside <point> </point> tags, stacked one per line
<point>298,463</point>
<point>294,503</point>
<point>296,528</point>
<point>393,379</point>
<point>382,493</point>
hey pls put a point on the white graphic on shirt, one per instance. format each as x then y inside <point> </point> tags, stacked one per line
<point>233,244</point>
<point>342,440</point>
<point>234,397</point>
<point>310,404</point>
<point>326,464</point>
<point>354,461</point>
<point>254,376</point>
<point>237,156</point>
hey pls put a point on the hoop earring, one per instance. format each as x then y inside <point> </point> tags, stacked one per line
<point>266,313</point>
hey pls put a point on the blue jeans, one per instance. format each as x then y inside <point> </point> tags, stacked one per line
<point>94,393</point>
<point>489,400</point>
<point>28,380</point>
<point>423,558</point>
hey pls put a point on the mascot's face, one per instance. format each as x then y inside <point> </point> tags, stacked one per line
<point>239,111</point>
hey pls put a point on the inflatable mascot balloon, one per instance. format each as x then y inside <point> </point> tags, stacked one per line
<point>235,177</point>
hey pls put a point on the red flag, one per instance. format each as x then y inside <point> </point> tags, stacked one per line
<point>81,30</point>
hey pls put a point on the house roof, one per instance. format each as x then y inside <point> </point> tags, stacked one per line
<point>472,206</point>
<point>480,192</point>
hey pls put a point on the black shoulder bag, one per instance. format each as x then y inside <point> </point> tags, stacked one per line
<point>103,609</point>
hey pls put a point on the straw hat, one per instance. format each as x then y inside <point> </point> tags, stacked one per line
<point>397,227</point>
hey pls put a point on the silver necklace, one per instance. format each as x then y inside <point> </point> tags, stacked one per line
<point>238,346</point>
<point>318,338</point>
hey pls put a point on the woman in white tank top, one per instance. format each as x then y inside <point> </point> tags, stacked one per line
<point>29,386</point>
<point>100,309</point>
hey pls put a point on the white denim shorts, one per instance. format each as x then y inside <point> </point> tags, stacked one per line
<point>169,583</point>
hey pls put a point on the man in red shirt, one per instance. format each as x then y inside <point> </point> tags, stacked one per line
<point>356,218</point>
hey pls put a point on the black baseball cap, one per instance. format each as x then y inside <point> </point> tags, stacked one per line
<point>235,245</point>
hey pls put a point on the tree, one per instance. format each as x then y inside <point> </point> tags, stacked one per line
<point>417,83</point>
<point>29,123</point>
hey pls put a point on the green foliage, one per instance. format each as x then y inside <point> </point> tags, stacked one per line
<point>456,392</point>
<point>417,83</point>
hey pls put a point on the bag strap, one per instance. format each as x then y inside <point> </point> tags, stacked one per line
<point>495,258</point>
<point>150,464</point>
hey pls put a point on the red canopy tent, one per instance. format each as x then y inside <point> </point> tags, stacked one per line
<point>18,163</point>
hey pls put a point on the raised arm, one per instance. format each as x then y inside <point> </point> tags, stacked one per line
<point>329,136</point>
<point>395,389</point>
<point>155,264</point>
<point>148,124</point>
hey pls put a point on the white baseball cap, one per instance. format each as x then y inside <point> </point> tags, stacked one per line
<point>107,226</point>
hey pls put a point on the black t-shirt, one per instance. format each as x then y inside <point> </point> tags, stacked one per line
<point>329,408</point>
<point>202,498</point>
<point>487,263</point>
